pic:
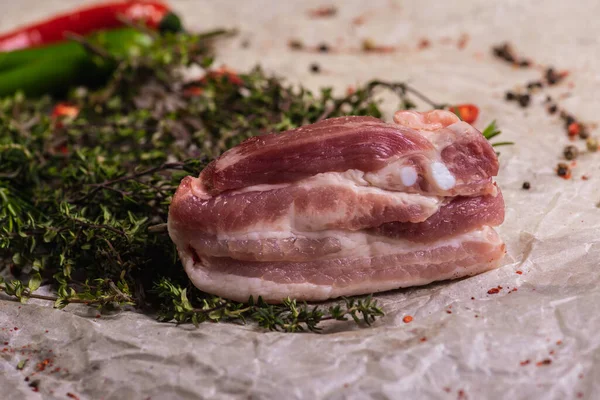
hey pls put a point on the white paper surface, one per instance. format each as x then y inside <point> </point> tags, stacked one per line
<point>552,232</point>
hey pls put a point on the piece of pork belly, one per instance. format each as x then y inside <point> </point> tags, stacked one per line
<point>345,206</point>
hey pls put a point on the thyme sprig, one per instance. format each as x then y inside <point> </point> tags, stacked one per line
<point>84,200</point>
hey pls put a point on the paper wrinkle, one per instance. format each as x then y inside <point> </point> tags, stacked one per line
<point>552,232</point>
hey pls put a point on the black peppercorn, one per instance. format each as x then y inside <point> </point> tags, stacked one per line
<point>315,68</point>
<point>509,96</point>
<point>526,185</point>
<point>524,63</point>
<point>552,109</point>
<point>323,48</point>
<point>524,100</point>
<point>562,170</point>
<point>568,120</point>
<point>571,152</point>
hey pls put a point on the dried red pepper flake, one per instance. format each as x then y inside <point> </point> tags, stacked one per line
<point>447,389</point>
<point>448,312</point>
<point>461,394</point>
<point>42,365</point>
<point>73,396</point>
<point>525,362</point>
<point>472,298</point>
<point>423,44</point>
<point>585,177</point>
<point>462,41</point>
<point>361,19</point>
<point>579,395</point>
<point>547,361</point>
<point>98,315</point>
<point>493,291</point>
<point>15,328</point>
<point>423,339</point>
<point>519,272</point>
<point>407,319</point>
<point>323,12</point>
<point>551,352</point>
<point>6,343</point>
<point>559,342</point>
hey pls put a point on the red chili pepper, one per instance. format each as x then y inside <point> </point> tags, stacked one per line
<point>466,112</point>
<point>84,21</point>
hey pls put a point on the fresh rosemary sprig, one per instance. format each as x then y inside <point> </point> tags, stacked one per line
<point>84,200</point>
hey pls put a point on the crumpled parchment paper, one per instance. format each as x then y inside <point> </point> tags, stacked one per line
<point>463,342</point>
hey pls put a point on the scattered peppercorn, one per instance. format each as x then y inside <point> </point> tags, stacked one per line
<point>573,129</point>
<point>323,48</point>
<point>504,52</point>
<point>524,63</point>
<point>315,68</point>
<point>583,132</point>
<point>553,77</point>
<point>571,152</point>
<point>592,144</point>
<point>509,96</point>
<point>526,185</point>
<point>524,100</point>
<point>368,44</point>
<point>552,109</point>
<point>563,170</point>
<point>295,44</point>
<point>535,85</point>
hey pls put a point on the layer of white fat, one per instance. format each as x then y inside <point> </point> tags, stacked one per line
<point>442,177</point>
<point>408,175</point>
<point>239,288</point>
<point>363,244</point>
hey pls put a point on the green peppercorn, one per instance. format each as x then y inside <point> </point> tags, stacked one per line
<point>592,143</point>
<point>571,152</point>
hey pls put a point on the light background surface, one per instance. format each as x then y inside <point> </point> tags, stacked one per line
<point>552,231</point>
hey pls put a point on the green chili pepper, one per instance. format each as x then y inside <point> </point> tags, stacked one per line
<point>54,69</point>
